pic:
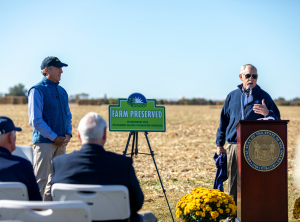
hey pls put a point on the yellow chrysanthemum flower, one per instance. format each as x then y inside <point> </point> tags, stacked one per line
<point>178,214</point>
<point>214,214</point>
<point>201,201</point>
<point>186,211</point>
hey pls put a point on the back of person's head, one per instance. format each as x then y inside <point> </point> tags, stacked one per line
<point>92,129</point>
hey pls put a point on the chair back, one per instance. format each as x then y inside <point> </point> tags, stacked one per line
<point>12,221</point>
<point>13,191</point>
<point>34,211</point>
<point>25,152</point>
<point>108,202</point>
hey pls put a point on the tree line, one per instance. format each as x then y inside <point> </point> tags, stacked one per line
<point>19,90</point>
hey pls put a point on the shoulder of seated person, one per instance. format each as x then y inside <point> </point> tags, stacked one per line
<point>119,156</point>
<point>22,161</point>
<point>66,155</point>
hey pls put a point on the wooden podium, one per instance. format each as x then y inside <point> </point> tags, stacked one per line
<point>261,196</point>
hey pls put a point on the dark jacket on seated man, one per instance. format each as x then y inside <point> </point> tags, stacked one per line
<point>93,165</point>
<point>17,169</point>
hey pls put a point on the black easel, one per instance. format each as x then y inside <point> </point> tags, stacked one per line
<point>136,151</point>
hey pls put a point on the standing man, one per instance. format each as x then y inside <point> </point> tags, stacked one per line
<point>257,104</point>
<point>51,119</point>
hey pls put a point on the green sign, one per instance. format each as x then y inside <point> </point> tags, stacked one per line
<point>137,114</point>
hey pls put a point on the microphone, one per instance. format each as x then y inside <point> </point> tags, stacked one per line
<point>248,90</point>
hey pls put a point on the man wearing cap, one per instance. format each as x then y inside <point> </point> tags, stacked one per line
<point>51,119</point>
<point>14,168</point>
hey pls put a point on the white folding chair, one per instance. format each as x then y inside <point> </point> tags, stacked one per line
<point>13,191</point>
<point>108,202</point>
<point>34,211</point>
<point>12,221</point>
<point>25,152</point>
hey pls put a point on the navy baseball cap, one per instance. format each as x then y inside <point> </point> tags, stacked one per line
<point>52,61</point>
<point>7,125</point>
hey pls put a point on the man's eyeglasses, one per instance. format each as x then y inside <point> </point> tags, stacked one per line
<point>254,76</point>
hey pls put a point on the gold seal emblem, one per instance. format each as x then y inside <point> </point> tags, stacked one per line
<point>264,150</point>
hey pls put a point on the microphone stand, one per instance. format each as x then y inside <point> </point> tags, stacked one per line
<point>247,91</point>
<point>242,104</point>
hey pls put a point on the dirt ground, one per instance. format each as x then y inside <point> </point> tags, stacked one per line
<point>183,153</point>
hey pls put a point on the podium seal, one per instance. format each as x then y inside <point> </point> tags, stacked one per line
<point>264,150</point>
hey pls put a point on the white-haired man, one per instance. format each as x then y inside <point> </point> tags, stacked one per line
<point>257,105</point>
<point>93,165</point>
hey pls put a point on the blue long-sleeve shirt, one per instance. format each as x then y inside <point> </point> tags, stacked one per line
<point>232,111</point>
<point>35,110</point>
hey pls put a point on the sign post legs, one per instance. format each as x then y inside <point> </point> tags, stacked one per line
<point>129,137</point>
<point>135,141</point>
<point>161,183</point>
<point>136,151</point>
<point>132,147</point>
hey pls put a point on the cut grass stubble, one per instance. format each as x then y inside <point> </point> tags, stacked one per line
<point>183,153</point>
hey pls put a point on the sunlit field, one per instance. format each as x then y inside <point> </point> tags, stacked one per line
<point>183,153</point>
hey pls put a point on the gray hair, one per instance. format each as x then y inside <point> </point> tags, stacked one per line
<point>44,72</point>
<point>245,66</point>
<point>91,127</point>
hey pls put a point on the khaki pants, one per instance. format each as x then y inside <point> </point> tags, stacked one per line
<point>43,155</point>
<point>232,167</point>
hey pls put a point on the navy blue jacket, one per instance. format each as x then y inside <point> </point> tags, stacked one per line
<point>221,174</point>
<point>17,169</point>
<point>93,165</point>
<point>231,113</point>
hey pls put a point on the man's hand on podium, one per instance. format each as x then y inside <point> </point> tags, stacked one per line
<point>220,149</point>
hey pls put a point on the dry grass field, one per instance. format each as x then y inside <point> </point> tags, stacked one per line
<point>183,153</point>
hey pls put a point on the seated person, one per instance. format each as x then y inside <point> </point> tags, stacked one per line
<point>93,165</point>
<point>14,168</point>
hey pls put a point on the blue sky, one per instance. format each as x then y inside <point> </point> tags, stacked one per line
<point>162,49</point>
